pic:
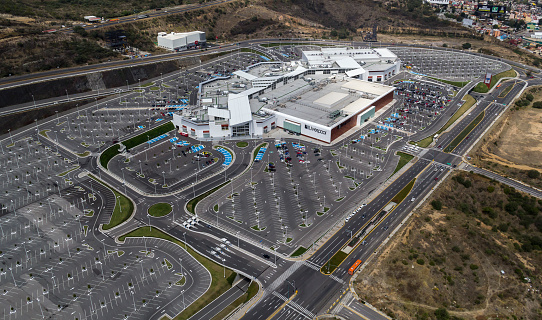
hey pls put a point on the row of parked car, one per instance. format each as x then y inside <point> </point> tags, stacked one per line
<point>354,212</point>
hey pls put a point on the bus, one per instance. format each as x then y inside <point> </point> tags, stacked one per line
<point>354,267</point>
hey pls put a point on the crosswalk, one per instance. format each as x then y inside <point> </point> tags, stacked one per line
<point>311,265</point>
<point>339,280</point>
<point>282,278</point>
<point>295,306</point>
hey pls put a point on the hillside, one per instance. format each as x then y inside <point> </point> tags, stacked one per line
<point>473,251</point>
<point>26,49</point>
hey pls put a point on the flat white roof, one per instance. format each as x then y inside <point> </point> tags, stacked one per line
<point>174,35</point>
<point>348,63</point>
<point>239,108</point>
<point>330,99</point>
<point>355,72</point>
<point>245,75</point>
<point>357,105</point>
<point>385,53</point>
<point>367,87</point>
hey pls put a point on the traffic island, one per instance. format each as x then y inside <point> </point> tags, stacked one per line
<point>160,209</point>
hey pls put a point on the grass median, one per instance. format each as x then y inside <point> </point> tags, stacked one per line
<point>300,251</point>
<point>108,154</point>
<point>148,135</point>
<point>256,52</point>
<point>404,192</point>
<point>340,256</point>
<point>219,283</point>
<point>251,292</point>
<point>465,132</point>
<point>123,207</point>
<point>334,262</point>
<point>405,158</point>
<point>191,205</point>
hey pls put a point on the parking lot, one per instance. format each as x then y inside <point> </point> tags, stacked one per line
<point>446,64</point>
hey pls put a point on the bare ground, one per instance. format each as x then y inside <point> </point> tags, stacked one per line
<point>453,259</point>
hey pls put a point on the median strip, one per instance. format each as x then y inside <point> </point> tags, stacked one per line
<point>341,255</point>
<point>464,133</point>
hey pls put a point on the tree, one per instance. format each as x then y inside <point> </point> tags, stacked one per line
<point>437,205</point>
<point>442,314</point>
<point>533,174</point>
<point>529,97</point>
<point>466,45</point>
<point>537,105</point>
<point>80,30</point>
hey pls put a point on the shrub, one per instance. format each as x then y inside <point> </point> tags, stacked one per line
<point>537,105</point>
<point>437,205</point>
<point>466,45</point>
<point>529,97</point>
<point>473,266</point>
<point>490,189</point>
<point>456,249</point>
<point>420,262</point>
<point>533,174</point>
<point>442,314</point>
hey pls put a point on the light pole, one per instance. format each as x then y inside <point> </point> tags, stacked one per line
<point>120,206</point>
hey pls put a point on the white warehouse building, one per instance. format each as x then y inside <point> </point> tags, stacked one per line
<point>181,41</point>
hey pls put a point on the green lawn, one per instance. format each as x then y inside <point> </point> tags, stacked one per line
<point>108,154</point>
<point>298,252</point>
<point>148,135</point>
<point>219,284</point>
<point>242,144</point>
<point>460,84</point>
<point>147,84</point>
<point>482,88</point>
<point>251,292</point>
<point>405,158</point>
<point>122,211</point>
<point>465,132</point>
<point>403,193</point>
<point>191,205</point>
<point>160,209</point>
<point>334,262</point>
<point>469,102</point>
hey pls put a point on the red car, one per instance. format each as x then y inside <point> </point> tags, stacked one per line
<point>184,134</point>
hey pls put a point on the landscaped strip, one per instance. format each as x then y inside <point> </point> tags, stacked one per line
<point>403,193</point>
<point>459,84</point>
<point>123,207</point>
<point>160,209</point>
<point>256,52</point>
<point>219,283</point>
<point>469,102</point>
<point>191,205</point>
<point>108,154</point>
<point>465,132</point>
<point>405,158</point>
<point>300,251</point>
<point>482,87</point>
<point>145,136</point>
<point>506,91</point>
<point>251,292</point>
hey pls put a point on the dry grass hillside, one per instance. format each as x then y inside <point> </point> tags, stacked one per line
<point>513,147</point>
<point>473,251</point>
